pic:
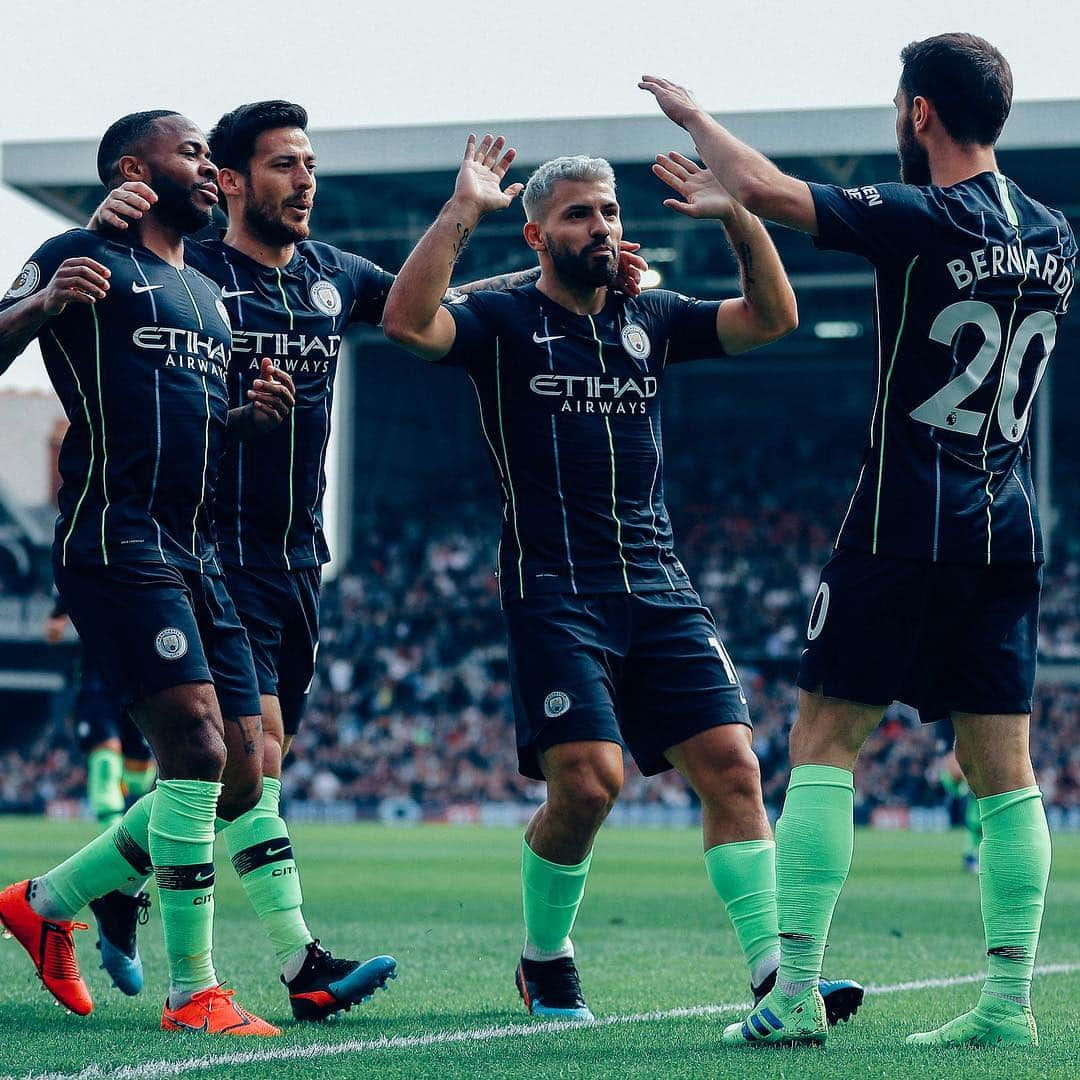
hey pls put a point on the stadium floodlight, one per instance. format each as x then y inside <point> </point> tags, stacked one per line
<point>651,278</point>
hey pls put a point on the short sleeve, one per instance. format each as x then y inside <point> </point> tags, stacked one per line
<point>372,286</point>
<point>476,330</point>
<point>42,265</point>
<point>688,325</point>
<point>883,222</point>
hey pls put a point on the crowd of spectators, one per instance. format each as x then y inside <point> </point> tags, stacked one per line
<point>411,701</point>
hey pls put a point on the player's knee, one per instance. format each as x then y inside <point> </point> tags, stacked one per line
<point>592,794</point>
<point>734,780</point>
<point>202,753</point>
<point>273,754</point>
<point>239,795</point>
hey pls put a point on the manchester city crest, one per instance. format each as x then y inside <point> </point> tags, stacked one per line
<point>25,283</point>
<point>326,298</point>
<point>556,703</point>
<point>636,342</point>
<point>171,643</point>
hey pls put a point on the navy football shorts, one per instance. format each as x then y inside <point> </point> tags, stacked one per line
<point>99,716</point>
<point>151,626</point>
<point>939,637</point>
<point>280,611</point>
<point>647,671</point>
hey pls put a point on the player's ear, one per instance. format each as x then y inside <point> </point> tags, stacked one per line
<point>132,168</point>
<point>921,111</point>
<point>534,236</point>
<point>230,182</point>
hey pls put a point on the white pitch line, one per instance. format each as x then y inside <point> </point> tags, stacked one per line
<point>152,1069</point>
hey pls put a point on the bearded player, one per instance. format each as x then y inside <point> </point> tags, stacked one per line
<point>932,594</point>
<point>609,644</point>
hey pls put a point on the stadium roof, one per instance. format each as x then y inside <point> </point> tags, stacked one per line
<point>381,186</point>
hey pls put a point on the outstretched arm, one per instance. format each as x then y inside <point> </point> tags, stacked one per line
<point>767,309</point>
<point>753,180</point>
<point>414,316</point>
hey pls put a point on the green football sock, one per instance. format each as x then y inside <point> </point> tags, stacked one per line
<point>744,877</point>
<point>815,837</point>
<point>973,825</point>
<point>182,851</point>
<point>1015,866</point>
<point>104,771</point>
<point>137,782</point>
<point>551,895</point>
<point>116,859</point>
<point>258,843</point>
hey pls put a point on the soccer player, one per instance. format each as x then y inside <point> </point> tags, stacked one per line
<point>119,766</point>
<point>932,594</point>
<point>137,346</point>
<point>609,645</point>
<point>290,298</point>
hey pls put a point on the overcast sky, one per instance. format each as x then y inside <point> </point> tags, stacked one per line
<point>69,68</point>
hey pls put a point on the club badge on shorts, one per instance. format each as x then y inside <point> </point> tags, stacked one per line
<point>556,703</point>
<point>636,342</point>
<point>171,644</point>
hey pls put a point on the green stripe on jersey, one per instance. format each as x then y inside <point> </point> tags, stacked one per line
<point>292,434</point>
<point>885,406</point>
<point>90,467</point>
<point>611,447</point>
<point>104,446</point>
<point>506,460</point>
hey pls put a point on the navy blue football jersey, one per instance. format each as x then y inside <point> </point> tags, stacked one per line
<point>268,510</point>
<point>142,377</point>
<point>570,409</point>
<point>972,281</point>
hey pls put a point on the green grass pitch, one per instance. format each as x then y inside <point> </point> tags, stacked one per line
<point>651,938</point>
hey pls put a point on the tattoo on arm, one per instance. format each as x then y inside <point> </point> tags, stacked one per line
<point>746,262</point>
<point>461,243</point>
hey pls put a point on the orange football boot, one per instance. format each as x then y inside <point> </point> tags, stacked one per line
<point>213,1011</point>
<point>50,945</point>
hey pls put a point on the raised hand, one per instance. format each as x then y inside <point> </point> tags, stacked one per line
<point>479,180</point>
<point>703,196</point>
<point>122,205</point>
<point>76,281</point>
<point>272,396</point>
<point>678,103</point>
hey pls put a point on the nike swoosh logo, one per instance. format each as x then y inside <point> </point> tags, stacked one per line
<point>271,852</point>
<point>204,1026</point>
<point>137,288</point>
<point>544,340</point>
<point>228,294</point>
<point>205,877</point>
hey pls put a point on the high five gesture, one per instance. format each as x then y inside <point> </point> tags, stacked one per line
<point>483,169</point>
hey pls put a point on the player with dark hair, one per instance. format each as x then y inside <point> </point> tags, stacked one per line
<point>291,298</point>
<point>609,644</point>
<point>932,594</point>
<point>137,345</point>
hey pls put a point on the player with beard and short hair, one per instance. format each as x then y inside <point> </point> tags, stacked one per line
<point>609,644</point>
<point>291,298</point>
<point>137,345</point>
<point>932,594</point>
